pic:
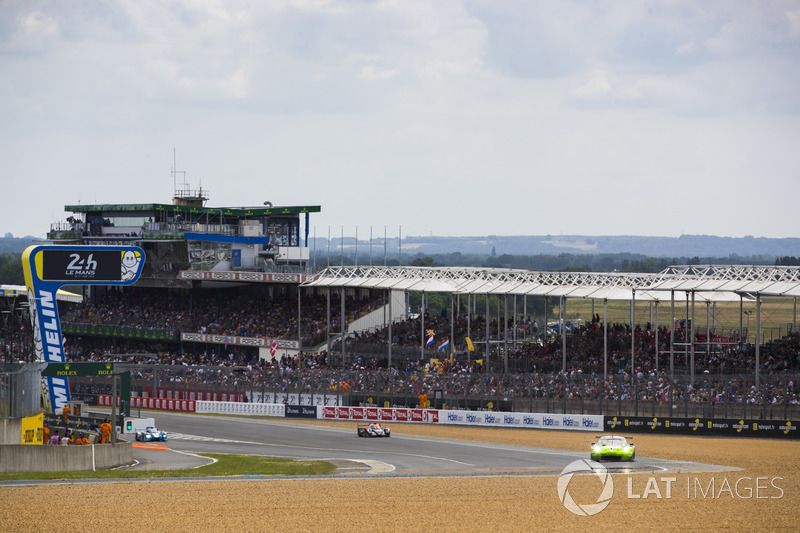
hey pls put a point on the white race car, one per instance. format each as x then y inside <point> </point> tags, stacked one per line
<point>150,434</point>
<point>373,430</point>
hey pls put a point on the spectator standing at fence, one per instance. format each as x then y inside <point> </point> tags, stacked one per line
<point>105,432</point>
<point>55,440</point>
<point>81,440</point>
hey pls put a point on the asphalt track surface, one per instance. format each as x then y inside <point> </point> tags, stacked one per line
<point>400,455</point>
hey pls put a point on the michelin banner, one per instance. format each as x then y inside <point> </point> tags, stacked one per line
<point>49,267</point>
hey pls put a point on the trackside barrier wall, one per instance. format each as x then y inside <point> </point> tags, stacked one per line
<point>294,398</point>
<point>385,414</point>
<point>522,420</point>
<point>468,418</point>
<point>25,458</point>
<point>720,427</point>
<point>240,408</point>
<point>10,429</point>
<point>159,404</point>
<point>301,411</point>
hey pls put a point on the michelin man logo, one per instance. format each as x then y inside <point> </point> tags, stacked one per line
<point>130,264</point>
<point>584,465</point>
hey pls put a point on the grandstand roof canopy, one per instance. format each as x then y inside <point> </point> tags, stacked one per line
<point>134,209</point>
<point>706,283</point>
<point>17,291</point>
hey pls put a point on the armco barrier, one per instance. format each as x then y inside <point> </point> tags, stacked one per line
<point>718,427</point>
<point>240,408</point>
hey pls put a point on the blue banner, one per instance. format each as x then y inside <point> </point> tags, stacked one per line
<point>49,267</point>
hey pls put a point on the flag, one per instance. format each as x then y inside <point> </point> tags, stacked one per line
<point>470,346</point>
<point>430,340</point>
<point>273,349</point>
<point>443,345</point>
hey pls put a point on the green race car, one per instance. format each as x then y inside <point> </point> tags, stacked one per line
<point>612,447</point>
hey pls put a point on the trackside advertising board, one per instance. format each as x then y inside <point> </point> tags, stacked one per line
<point>381,414</point>
<point>300,411</point>
<point>49,267</point>
<point>720,427</point>
<point>468,418</point>
<point>522,420</point>
<point>240,408</point>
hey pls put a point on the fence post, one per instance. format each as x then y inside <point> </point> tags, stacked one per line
<point>601,392</point>
<point>671,395</point>
<point>654,394</point>
<point>547,395</point>
<point>785,400</point>
<point>530,389</point>
<point>686,399</point>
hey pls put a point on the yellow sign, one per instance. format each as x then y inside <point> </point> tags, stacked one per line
<point>470,346</point>
<point>32,429</point>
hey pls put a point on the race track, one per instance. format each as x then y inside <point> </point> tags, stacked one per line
<point>401,455</point>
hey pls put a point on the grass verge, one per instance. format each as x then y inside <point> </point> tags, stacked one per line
<point>226,465</point>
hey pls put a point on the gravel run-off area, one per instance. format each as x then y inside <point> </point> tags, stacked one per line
<point>763,496</point>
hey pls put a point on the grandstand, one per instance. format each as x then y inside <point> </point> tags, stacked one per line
<point>202,261</point>
<point>238,279</point>
<point>232,288</point>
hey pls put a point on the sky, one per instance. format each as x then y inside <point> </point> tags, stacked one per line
<point>440,117</point>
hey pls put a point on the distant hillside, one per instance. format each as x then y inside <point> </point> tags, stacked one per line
<point>14,245</point>
<point>683,246</point>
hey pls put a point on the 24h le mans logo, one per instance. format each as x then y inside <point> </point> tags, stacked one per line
<point>585,465</point>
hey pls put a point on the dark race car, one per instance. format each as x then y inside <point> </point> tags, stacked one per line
<point>373,430</point>
<point>150,434</point>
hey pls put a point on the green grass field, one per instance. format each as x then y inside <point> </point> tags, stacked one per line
<point>777,315</point>
<point>225,465</point>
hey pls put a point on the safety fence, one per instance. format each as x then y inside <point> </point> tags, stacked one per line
<point>785,429</point>
<point>772,396</point>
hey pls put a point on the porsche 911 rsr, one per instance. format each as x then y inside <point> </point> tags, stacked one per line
<point>150,434</point>
<point>612,447</point>
<point>373,430</point>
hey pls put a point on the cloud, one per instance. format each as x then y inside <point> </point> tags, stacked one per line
<point>495,103</point>
<point>793,18</point>
<point>598,86</point>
